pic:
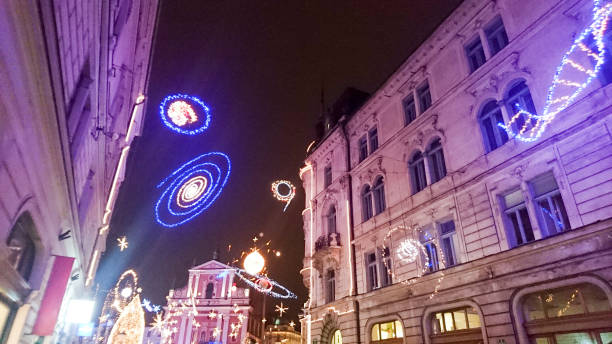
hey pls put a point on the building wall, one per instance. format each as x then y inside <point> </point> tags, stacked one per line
<point>575,149</point>
<point>63,145</point>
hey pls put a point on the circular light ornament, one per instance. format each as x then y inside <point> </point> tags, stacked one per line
<point>184,114</point>
<point>283,197</point>
<point>409,249</point>
<point>126,292</point>
<point>254,263</point>
<point>124,289</point>
<point>192,188</point>
<point>265,285</point>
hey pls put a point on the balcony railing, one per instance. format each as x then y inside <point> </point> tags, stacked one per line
<point>327,240</point>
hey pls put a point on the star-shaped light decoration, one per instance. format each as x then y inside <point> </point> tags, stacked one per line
<point>158,323</point>
<point>212,314</point>
<point>281,309</point>
<point>123,244</point>
<point>292,324</point>
<point>216,331</point>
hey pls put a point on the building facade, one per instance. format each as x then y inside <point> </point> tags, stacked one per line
<point>426,223</point>
<point>73,79</point>
<point>282,334</point>
<point>213,308</point>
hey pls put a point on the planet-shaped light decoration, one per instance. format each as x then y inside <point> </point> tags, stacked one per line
<point>254,263</point>
<point>184,114</point>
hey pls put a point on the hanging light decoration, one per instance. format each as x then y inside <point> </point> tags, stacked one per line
<point>283,197</point>
<point>184,114</point>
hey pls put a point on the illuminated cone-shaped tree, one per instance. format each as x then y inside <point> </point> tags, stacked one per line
<point>129,328</point>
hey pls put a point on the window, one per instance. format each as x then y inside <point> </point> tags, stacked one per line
<point>363,148</point>
<point>327,175</point>
<point>424,97</point>
<point>475,54</point>
<point>366,203</point>
<point>21,248</point>
<point>388,331</point>
<point>210,288</point>
<point>549,205</point>
<point>493,135</point>
<point>431,261</point>
<point>373,136</point>
<point>417,172</point>
<point>379,195</point>
<point>518,99</point>
<point>7,314</point>
<point>409,109</point>
<point>386,268</point>
<point>437,167</point>
<point>448,238</point>
<point>331,220</point>
<point>372,271</point>
<point>330,286</point>
<point>496,36</point>
<point>336,337</point>
<point>455,320</point>
<point>568,314</point>
<point>517,219</point>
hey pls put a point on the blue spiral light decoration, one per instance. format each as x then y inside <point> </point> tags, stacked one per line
<point>184,114</point>
<point>192,188</point>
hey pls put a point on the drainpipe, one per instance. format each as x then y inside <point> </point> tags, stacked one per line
<point>342,126</point>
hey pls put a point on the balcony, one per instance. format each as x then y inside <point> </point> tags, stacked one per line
<point>327,252</point>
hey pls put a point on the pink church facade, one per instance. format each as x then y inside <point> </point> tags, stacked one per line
<point>426,223</point>
<point>214,307</point>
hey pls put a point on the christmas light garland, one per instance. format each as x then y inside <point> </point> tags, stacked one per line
<point>179,112</point>
<point>287,197</point>
<point>248,279</point>
<point>119,299</point>
<point>570,78</point>
<point>192,188</point>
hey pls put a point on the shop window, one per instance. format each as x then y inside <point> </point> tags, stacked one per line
<point>336,337</point>
<point>21,248</point>
<point>571,314</point>
<point>549,205</point>
<point>388,332</point>
<point>465,318</point>
<point>517,221</point>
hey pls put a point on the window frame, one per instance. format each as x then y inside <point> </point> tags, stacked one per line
<point>386,268</point>
<point>475,50</point>
<point>495,30</point>
<point>367,211</point>
<point>332,219</point>
<point>330,286</point>
<point>435,159</point>
<point>500,136</point>
<point>523,98</point>
<point>452,238</point>
<point>408,103</point>
<point>397,335</point>
<point>378,193</point>
<point>373,280</point>
<point>424,97</point>
<point>327,176</point>
<point>509,225</point>
<point>417,170</point>
<point>363,147</point>
<point>373,140</point>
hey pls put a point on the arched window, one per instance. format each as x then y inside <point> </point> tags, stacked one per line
<point>379,195</point>
<point>417,172</point>
<point>493,135</point>
<point>388,332</point>
<point>210,288</point>
<point>336,337</point>
<point>331,220</point>
<point>435,155</point>
<point>577,313</point>
<point>519,98</point>
<point>22,250</point>
<point>366,203</point>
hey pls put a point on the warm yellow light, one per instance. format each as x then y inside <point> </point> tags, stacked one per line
<point>254,263</point>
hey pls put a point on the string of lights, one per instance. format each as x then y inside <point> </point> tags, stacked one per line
<point>192,188</point>
<point>178,112</point>
<point>570,78</point>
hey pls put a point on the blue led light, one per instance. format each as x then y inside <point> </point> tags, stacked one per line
<point>570,78</point>
<point>192,188</point>
<point>194,127</point>
<point>286,293</point>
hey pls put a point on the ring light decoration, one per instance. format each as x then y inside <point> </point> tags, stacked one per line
<point>570,79</point>
<point>265,285</point>
<point>184,114</point>
<point>287,197</point>
<point>192,188</point>
<point>127,280</point>
<point>409,250</point>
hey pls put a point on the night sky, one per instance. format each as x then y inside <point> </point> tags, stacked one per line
<point>259,66</point>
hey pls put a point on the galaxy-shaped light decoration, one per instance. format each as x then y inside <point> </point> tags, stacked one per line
<point>283,197</point>
<point>265,285</point>
<point>125,289</point>
<point>409,249</point>
<point>184,114</point>
<point>579,66</point>
<point>192,188</point>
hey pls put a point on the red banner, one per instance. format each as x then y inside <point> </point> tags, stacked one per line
<point>54,294</point>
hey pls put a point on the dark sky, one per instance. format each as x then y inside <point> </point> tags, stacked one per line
<point>259,65</point>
